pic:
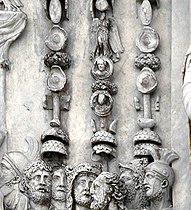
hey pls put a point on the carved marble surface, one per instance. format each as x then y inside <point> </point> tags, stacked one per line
<point>125,187</point>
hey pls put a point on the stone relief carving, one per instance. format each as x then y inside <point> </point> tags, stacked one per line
<point>106,34</point>
<point>106,192</point>
<point>36,184</point>
<point>47,183</point>
<point>12,166</point>
<point>55,141</point>
<point>59,190</point>
<point>79,181</point>
<point>186,82</point>
<point>132,176</point>
<point>12,24</point>
<point>148,63</point>
<point>159,179</point>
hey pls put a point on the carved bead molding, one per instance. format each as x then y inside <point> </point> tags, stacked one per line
<point>12,24</point>
<point>55,140</point>
<point>106,51</point>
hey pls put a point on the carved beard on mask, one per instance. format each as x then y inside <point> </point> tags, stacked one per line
<point>39,194</point>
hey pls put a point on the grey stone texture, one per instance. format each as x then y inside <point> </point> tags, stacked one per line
<point>26,85</point>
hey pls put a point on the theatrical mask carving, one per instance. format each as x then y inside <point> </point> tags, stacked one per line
<point>132,176</point>
<point>159,179</point>
<point>58,200</point>
<point>36,185</point>
<point>106,192</point>
<point>79,181</point>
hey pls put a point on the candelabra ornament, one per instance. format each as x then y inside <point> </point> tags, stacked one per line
<point>107,48</point>
<point>147,42</point>
<point>55,140</point>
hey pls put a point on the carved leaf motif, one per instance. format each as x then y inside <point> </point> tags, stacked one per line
<point>55,11</point>
<point>146,13</point>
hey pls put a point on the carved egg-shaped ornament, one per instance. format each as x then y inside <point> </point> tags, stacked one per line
<point>56,79</point>
<point>146,81</point>
<point>148,40</point>
<point>102,103</point>
<point>146,13</point>
<point>56,38</point>
<point>102,68</point>
<point>55,11</point>
<point>101,5</point>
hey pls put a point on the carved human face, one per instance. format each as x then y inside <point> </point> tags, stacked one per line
<point>153,185</point>
<point>59,185</point>
<point>100,192</point>
<point>101,65</point>
<point>82,186</point>
<point>6,173</point>
<point>40,186</point>
<point>127,178</point>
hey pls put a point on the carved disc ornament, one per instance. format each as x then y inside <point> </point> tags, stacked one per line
<point>146,81</point>
<point>101,102</point>
<point>56,79</point>
<point>56,39</point>
<point>102,68</point>
<point>148,40</point>
<point>146,13</point>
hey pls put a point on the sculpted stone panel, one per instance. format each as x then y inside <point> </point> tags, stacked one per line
<point>42,177</point>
